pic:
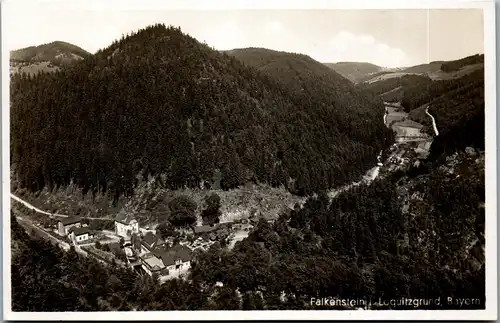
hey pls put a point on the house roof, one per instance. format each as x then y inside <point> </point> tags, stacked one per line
<point>125,218</point>
<point>151,240</point>
<point>409,123</point>
<point>205,228</point>
<point>152,262</point>
<point>79,231</point>
<point>70,220</point>
<point>170,256</point>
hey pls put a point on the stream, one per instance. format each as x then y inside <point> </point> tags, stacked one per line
<point>408,148</point>
<point>412,145</point>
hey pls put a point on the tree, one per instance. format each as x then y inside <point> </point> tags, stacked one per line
<point>252,301</point>
<point>135,240</point>
<point>166,230</point>
<point>212,212</point>
<point>182,210</point>
<point>98,245</point>
<point>226,299</point>
<point>160,211</point>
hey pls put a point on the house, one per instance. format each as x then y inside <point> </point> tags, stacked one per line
<point>126,225</point>
<point>65,224</point>
<point>152,264</point>
<point>78,235</point>
<point>408,128</point>
<point>150,242</point>
<point>206,231</point>
<point>164,260</point>
<point>177,257</point>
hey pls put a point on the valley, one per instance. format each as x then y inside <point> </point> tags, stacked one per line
<point>161,174</point>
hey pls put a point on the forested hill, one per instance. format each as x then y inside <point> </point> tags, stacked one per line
<point>159,102</point>
<point>355,71</point>
<point>55,52</point>
<point>313,85</point>
<point>45,58</point>
<point>459,110</point>
<point>455,101</point>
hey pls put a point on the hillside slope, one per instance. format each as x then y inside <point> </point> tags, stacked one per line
<point>313,85</point>
<point>459,110</point>
<point>457,104</point>
<point>160,103</point>
<point>355,71</point>
<point>437,70</point>
<point>45,58</point>
<point>57,51</point>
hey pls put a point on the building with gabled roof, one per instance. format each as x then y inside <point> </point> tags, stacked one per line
<point>162,259</point>
<point>78,235</point>
<point>65,224</point>
<point>150,242</point>
<point>176,257</point>
<point>152,264</point>
<point>126,225</point>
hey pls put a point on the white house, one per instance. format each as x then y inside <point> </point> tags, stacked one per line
<point>78,235</point>
<point>152,264</point>
<point>65,224</point>
<point>176,258</point>
<point>126,225</point>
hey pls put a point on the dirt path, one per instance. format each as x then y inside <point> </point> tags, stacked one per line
<point>26,224</point>
<point>34,208</point>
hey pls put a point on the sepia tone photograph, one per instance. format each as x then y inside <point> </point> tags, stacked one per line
<point>249,160</point>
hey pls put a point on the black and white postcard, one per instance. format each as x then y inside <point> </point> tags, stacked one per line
<point>249,160</point>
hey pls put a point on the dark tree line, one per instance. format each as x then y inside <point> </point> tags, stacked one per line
<point>388,84</point>
<point>161,102</point>
<point>398,89</point>
<point>458,64</point>
<point>418,94</point>
<point>460,117</point>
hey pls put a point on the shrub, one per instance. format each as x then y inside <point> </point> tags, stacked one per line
<point>182,210</point>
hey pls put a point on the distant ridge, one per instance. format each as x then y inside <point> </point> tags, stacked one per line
<point>55,52</point>
<point>45,58</point>
<point>354,71</point>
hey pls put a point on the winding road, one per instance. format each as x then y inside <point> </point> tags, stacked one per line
<point>29,225</point>
<point>34,208</point>
<point>436,132</point>
<point>42,233</point>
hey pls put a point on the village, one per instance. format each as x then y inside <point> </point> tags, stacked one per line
<point>149,252</point>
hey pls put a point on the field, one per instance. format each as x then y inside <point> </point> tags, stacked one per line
<point>434,72</point>
<point>395,115</point>
<point>32,68</point>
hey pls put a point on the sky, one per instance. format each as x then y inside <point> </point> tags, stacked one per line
<point>390,38</point>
